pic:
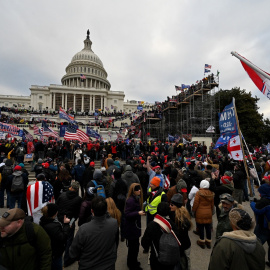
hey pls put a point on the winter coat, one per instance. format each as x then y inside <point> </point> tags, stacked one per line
<point>133,219</point>
<point>85,212</point>
<point>58,234</point>
<point>119,194</point>
<point>69,204</point>
<point>130,177</point>
<point>238,249</point>
<point>99,178</point>
<point>224,188</point>
<point>261,210</point>
<point>192,194</point>
<point>18,254</point>
<point>151,237</point>
<point>239,179</point>
<point>203,206</point>
<point>95,244</point>
<point>78,171</point>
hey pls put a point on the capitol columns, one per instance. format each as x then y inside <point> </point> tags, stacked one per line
<point>63,100</point>
<point>82,103</point>
<point>94,103</point>
<point>74,102</point>
<point>66,102</point>
<point>90,105</point>
<point>53,101</point>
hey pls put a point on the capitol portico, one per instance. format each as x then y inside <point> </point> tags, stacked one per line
<point>84,88</point>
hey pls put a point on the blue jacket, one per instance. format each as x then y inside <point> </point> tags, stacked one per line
<point>261,209</point>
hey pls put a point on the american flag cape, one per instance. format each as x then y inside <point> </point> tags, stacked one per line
<point>38,195</point>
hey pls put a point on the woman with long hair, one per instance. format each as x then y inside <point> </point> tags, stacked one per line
<point>133,212</point>
<point>62,183</point>
<point>180,215</point>
<point>113,210</point>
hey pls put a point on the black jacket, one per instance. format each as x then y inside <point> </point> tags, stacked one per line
<point>69,204</point>
<point>57,232</point>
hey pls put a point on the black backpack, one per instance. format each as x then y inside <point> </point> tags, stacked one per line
<point>17,184</point>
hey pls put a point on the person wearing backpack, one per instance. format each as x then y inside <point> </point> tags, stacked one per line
<point>17,184</point>
<point>38,167</point>
<point>20,151</point>
<point>6,171</point>
<point>162,251</point>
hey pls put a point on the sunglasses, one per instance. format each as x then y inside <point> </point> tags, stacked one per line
<point>137,188</point>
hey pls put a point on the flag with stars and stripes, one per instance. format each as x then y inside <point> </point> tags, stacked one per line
<point>27,135</point>
<point>49,132</point>
<point>73,133</point>
<point>38,195</point>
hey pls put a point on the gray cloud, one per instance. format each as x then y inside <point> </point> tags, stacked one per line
<point>146,47</point>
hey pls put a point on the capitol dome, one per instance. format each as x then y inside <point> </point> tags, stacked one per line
<point>86,69</point>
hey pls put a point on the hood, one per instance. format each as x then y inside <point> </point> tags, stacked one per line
<point>72,194</point>
<point>44,221</point>
<point>264,190</point>
<point>8,162</point>
<point>110,162</point>
<point>206,193</point>
<point>17,173</point>
<point>247,240</point>
<point>97,174</point>
<point>128,168</point>
<point>128,174</point>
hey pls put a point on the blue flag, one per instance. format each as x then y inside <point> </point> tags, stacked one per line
<point>171,138</point>
<point>91,133</point>
<point>222,140</point>
<point>227,121</point>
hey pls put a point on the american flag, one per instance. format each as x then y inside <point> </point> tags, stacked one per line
<point>36,130</point>
<point>27,135</point>
<point>72,133</point>
<point>207,66</point>
<point>38,195</point>
<point>178,88</point>
<point>48,131</point>
<point>82,78</point>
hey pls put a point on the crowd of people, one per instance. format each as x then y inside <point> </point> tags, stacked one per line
<point>168,183</point>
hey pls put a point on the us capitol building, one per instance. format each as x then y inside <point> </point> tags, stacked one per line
<point>84,88</point>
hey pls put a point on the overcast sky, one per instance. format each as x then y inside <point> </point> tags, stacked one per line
<point>146,46</point>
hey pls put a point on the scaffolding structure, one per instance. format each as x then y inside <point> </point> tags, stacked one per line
<point>190,113</point>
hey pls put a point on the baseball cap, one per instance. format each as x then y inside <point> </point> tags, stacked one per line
<point>11,215</point>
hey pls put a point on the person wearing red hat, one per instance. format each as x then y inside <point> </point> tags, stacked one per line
<point>17,183</point>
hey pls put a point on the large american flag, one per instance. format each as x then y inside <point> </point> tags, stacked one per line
<point>36,130</point>
<point>72,133</point>
<point>38,195</point>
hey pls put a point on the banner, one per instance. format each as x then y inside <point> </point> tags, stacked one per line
<point>227,121</point>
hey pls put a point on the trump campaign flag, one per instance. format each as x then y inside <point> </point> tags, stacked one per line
<point>234,147</point>
<point>260,78</point>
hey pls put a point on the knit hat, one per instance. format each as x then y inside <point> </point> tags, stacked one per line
<point>177,200</point>
<point>156,167</point>
<point>45,165</point>
<point>75,185</point>
<point>181,186</point>
<point>21,164</point>
<point>11,215</point>
<point>40,160</point>
<point>8,162</point>
<point>17,168</point>
<point>225,180</point>
<point>41,177</point>
<point>52,209</point>
<point>163,209</point>
<point>240,219</point>
<point>128,168</point>
<point>155,181</point>
<point>227,198</point>
<point>204,184</point>
<point>228,173</point>
<point>92,164</point>
<point>97,174</point>
<point>264,190</point>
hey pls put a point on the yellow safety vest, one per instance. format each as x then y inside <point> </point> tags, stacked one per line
<point>152,207</point>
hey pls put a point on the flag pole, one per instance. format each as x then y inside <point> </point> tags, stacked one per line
<point>252,162</point>
<point>242,147</point>
<point>241,58</point>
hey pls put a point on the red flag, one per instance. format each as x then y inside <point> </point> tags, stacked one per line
<point>234,147</point>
